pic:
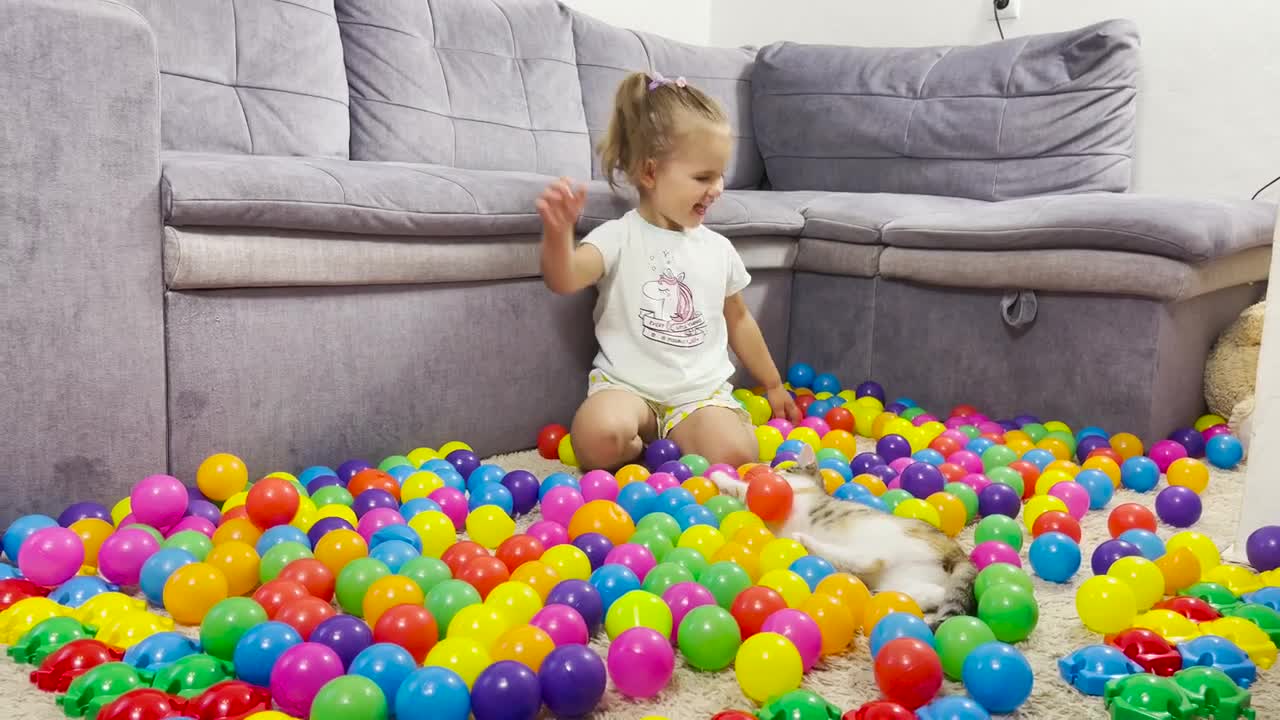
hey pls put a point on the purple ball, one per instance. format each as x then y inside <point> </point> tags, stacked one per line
<point>870,388</point>
<point>321,481</point>
<point>506,690</point>
<point>659,452</point>
<point>1007,425</point>
<point>193,493</point>
<point>1025,420</point>
<point>863,462</point>
<point>326,525</point>
<point>348,469</point>
<point>1088,444</point>
<point>999,499</point>
<point>1263,548</point>
<point>464,461</point>
<point>205,509</point>
<point>895,407</point>
<point>523,486</point>
<point>372,499</point>
<point>581,596</point>
<point>784,456</point>
<point>345,635</point>
<point>1110,551</point>
<point>596,547</point>
<point>1191,439</point>
<point>677,468</point>
<point>573,680</point>
<point>884,472</point>
<point>82,510</point>
<point>922,479</point>
<point>891,447</point>
<point>1178,506</point>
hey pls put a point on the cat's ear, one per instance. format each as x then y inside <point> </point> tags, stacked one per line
<point>808,459</point>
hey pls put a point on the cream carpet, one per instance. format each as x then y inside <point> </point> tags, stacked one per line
<point>847,681</point>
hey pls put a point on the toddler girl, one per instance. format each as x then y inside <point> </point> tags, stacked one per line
<point>670,290</point>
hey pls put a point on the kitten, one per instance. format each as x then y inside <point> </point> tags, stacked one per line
<point>885,551</point>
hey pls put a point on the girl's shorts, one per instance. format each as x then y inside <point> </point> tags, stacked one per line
<point>669,416</point>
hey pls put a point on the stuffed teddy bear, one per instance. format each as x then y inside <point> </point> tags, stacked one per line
<point>1232,369</point>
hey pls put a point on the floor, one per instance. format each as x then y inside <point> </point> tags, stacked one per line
<point>847,680</point>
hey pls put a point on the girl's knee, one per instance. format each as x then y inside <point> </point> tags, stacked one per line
<point>604,446</point>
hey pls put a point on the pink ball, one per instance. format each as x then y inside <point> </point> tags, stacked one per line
<point>159,500</point>
<point>902,463</point>
<point>564,624</point>
<point>128,520</point>
<point>979,419</point>
<point>191,522</point>
<point>994,551</point>
<point>122,554</point>
<point>1074,495</point>
<point>640,662</point>
<point>376,519</point>
<point>723,468</point>
<point>990,428</point>
<point>954,422</point>
<point>967,459</point>
<point>635,557</point>
<point>51,556</point>
<point>922,419</point>
<point>1165,452</point>
<point>682,598</point>
<point>783,426</point>
<point>1212,432</point>
<point>299,673</point>
<point>661,481</point>
<point>957,436</point>
<point>549,533</point>
<point>599,485</point>
<point>801,630</point>
<point>817,425</point>
<point>452,503</point>
<point>894,484</point>
<point>561,503</point>
<point>977,481</point>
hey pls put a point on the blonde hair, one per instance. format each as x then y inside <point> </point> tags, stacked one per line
<point>646,109</point>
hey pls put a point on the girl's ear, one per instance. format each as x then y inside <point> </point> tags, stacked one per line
<point>649,174</point>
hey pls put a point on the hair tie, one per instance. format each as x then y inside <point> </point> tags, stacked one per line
<point>657,81</point>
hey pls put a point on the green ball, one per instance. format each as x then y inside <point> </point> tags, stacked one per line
<point>1035,431</point>
<point>664,575</point>
<point>722,505</point>
<point>893,497</point>
<point>354,581</point>
<point>1008,476</point>
<point>832,454</point>
<point>999,527</point>
<point>800,705</point>
<point>1065,437</point>
<point>967,495</point>
<point>725,580</point>
<point>662,523</point>
<point>425,572</point>
<point>1001,574</point>
<point>971,431</point>
<point>709,637</point>
<point>393,461</point>
<point>332,495</point>
<point>1010,611</point>
<point>690,558</point>
<point>194,542</point>
<point>446,599</point>
<point>956,638</point>
<point>998,456</point>
<point>302,490</point>
<point>1216,594</point>
<point>696,463</point>
<point>147,529</point>
<point>911,413</point>
<point>278,557</point>
<point>226,622</point>
<point>349,697</point>
<point>655,540</point>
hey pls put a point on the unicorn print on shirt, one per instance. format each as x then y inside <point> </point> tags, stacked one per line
<point>668,312</point>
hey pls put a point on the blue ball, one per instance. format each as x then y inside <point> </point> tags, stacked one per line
<point>826,382</point>
<point>837,401</point>
<point>21,529</point>
<point>1055,557</point>
<point>484,474</point>
<point>157,569</point>
<point>1147,542</point>
<point>394,553</point>
<point>696,514</point>
<point>997,676</point>
<point>978,445</point>
<point>612,582</point>
<point>417,506</point>
<point>1139,473</point>
<point>671,500</point>
<point>952,707</point>
<point>1099,486</point>
<point>792,446</point>
<point>452,478</point>
<point>899,625</point>
<point>906,402</point>
<point>930,456</point>
<point>400,472</point>
<point>812,569</point>
<point>281,534</point>
<point>836,465</point>
<point>800,375</point>
<point>1091,430</point>
<point>157,651</point>
<point>403,533</point>
<point>1039,458</point>
<point>306,476</point>
<point>556,480</point>
<point>76,591</point>
<point>433,693</point>
<point>386,664</point>
<point>873,502</point>
<point>637,499</point>
<point>492,493</point>
<point>437,465</point>
<point>819,409</point>
<point>853,492</point>
<point>1224,451</point>
<point>8,572</point>
<point>258,650</point>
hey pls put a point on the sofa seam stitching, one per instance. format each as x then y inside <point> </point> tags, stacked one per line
<point>258,88</point>
<point>1129,233</point>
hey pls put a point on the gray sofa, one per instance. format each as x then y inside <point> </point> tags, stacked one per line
<point>303,230</point>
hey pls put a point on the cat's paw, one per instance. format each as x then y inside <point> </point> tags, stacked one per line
<point>728,485</point>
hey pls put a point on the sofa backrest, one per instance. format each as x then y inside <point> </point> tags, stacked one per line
<point>606,54</point>
<point>481,84</point>
<point>261,77</point>
<point>1027,116</point>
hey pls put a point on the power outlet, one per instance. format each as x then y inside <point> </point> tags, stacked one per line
<point>1010,11</point>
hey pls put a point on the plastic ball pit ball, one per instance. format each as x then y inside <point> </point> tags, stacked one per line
<point>1263,548</point>
<point>908,672</point>
<point>998,677</point>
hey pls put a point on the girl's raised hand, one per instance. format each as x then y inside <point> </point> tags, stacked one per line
<point>560,205</point>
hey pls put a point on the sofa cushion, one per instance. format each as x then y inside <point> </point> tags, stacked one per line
<point>738,213</point>
<point>487,85</point>
<point>346,196</point>
<point>1177,228</point>
<point>860,217</point>
<point>606,54</point>
<point>262,77</point>
<point>1032,115</point>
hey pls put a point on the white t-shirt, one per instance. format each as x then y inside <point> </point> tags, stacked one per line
<point>660,314</point>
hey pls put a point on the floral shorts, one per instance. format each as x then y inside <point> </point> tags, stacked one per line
<point>669,416</point>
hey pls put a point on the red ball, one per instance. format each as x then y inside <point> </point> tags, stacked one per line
<point>373,479</point>
<point>305,614</point>
<point>142,704</point>
<point>952,472</point>
<point>769,496</point>
<point>1056,521</point>
<point>314,575</point>
<point>238,511</point>
<point>1192,608</point>
<point>409,626</point>
<point>549,441</point>
<point>908,672</point>
<point>278,593</point>
<point>804,401</point>
<point>272,502</point>
<point>461,553</point>
<point>1030,473</point>
<point>1129,516</point>
<point>518,550</point>
<point>964,411</point>
<point>879,710</point>
<point>1106,452</point>
<point>753,606</point>
<point>484,573</point>
<point>945,445</point>
<point>840,419</point>
<point>997,438</point>
<point>733,715</point>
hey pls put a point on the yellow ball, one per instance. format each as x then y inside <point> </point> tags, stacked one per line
<point>831,480</point>
<point>419,485</point>
<point>1169,625</point>
<point>483,623</point>
<point>567,455</point>
<point>864,419</point>
<point>120,511</point>
<point>568,561</point>
<point>1070,468</point>
<point>806,435</point>
<point>1049,478</point>
<point>338,511</point>
<point>931,430</point>
<point>1105,465</point>
<point>779,553</point>
<point>631,473</point>
<point>848,396</point>
<point>1058,426</point>
<point>220,476</point>
<point>1188,473</point>
<point>918,509</point>
<point>951,512</point>
<point>1143,578</point>
<point>767,665</point>
<point>235,501</point>
<point>516,600</point>
<point>1200,545</point>
<point>870,403</point>
<point>788,584</point>
<point>841,440</point>
<point>1207,421</point>
<point>703,538</point>
<point>283,476</point>
<point>768,438</point>
<point>700,488</point>
<point>465,656</point>
<point>1106,605</point>
<point>759,409</point>
<point>435,530</point>
<point>740,555</point>
<point>306,515</point>
<point>824,395</point>
<point>420,456</point>
<point>452,446</point>
<point>1055,447</point>
<point>490,525</point>
<point>1040,505</point>
<point>872,483</point>
<point>741,394</point>
<point>1236,578</point>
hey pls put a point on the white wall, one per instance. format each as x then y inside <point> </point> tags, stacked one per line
<point>685,20</point>
<point>1208,118</point>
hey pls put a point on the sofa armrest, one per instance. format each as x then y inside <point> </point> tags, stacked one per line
<point>81,304</point>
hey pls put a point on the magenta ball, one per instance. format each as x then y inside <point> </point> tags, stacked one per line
<point>599,485</point>
<point>452,503</point>
<point>682,598</point>
<point>901,464</point>
<point>1178,506</point>
<point>1074,495</point>
<point>801,630</point>
<point>376,519</point>
<point>122,554</point>
<point>783,426</point>
<point>977,481</point>
<point>817,425</point>
<point>191,522</point>
<point>560,503</point>
<point>159,500</point>
<point>954,434</point>
<point>1165,452</point>
<point>549,533</point>
<point>1210,433</point>
<point>729,470</point>
<point>299,673</point>
<point>662,481</point>
<point>966,459</point>
<point>641,661</point>
<point>564,624</point>
<point>51,556</point>
<point>636,558</point>
<point>994,551</point>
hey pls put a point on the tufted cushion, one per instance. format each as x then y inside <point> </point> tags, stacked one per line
<point>607,54</point>
<point>262,77</point>
<point>1033,115</point>
<point>481,84</point>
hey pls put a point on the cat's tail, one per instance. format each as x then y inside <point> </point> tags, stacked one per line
<point>958,599</point>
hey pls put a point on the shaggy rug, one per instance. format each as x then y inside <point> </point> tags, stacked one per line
<point>847,680</point>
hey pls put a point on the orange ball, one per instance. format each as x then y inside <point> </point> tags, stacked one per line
<point>604,517</point>
<point>388,592</point>
<point>1127,444</point>
<point>882,604</point>
<point>314,575</point>
<point>842,439</point>
<point>339,547</point>
<point>831,480</point>
<point>770,497</point>
<point>701,488</point>
<point>872,483</point>
<point>518,550</point>
<point>537,575</point>
<point>631,473</point>
<point>526,644</point>
<point>239,529</point>
<point>1181,570</point>
<point>877,425</point>
<point>373,479</point>
<point>92,533</point>
<point>1106,465</point>
<point>1055,447</point>
<point>461,553</point>
<point>753,538</point>
<point>239,562</point>
<point>849,590</point>
<point>738,553</point>
<point>951,512</point>
<point>272,502</point>
<point>834,619</point>
<point>1189,473</point>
